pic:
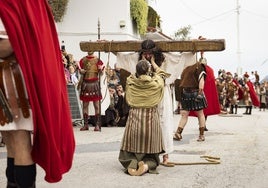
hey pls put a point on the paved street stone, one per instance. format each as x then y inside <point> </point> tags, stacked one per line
<point>240,142</point>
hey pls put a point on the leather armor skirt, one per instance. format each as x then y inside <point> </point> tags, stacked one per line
<point>15,111</point>
<point>90,91</point>
<point>191,100</point>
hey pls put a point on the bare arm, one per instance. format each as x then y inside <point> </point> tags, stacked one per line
<point>201,85</point>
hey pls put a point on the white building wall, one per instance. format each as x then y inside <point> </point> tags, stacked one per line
<point>80,23</point>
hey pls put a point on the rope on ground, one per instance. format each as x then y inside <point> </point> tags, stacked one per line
<point>209,160</point>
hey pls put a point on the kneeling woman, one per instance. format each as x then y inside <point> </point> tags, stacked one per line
<point>142,140</point>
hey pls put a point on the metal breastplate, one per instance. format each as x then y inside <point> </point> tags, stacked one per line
<point>91,68</point>
<point>231,89</point>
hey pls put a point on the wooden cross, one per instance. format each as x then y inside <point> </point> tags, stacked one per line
<point>166,46</point>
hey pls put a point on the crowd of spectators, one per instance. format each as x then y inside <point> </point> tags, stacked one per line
<point>117,112</point>
<point>71,68</point>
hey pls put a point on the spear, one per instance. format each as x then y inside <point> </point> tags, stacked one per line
<point>99,75</point>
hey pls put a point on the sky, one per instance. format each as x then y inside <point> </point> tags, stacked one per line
<point>246,35</point>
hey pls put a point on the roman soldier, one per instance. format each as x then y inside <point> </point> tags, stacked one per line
<point>91,67</point>
<point>249,95</point>
<point>231,93</point>
<point>221,94</point>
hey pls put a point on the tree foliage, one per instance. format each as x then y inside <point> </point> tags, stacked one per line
<point>139,13</point>
<point>58,9</point>
<point>153,18</point>
<point>183,33</point>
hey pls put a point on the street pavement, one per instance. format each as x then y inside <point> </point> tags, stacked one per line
<point>240,141</point>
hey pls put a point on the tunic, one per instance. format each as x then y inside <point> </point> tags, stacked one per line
<point>143,132</point>
<point>90,89</point>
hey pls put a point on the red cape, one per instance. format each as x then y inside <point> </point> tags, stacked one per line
<point>253,95</point>
<point>32,33</point>
<point>211,94</point>
<point>240,92</point>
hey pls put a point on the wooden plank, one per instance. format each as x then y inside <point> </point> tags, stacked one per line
<point>166,46</point>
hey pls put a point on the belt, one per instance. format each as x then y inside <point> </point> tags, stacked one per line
<point>190,89</point>
<point>23,101</point>
<point>11,91</point>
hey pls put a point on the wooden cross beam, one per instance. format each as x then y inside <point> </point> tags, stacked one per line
<point>166,46</point>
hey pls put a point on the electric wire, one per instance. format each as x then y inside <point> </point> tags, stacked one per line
<point>256,14</point>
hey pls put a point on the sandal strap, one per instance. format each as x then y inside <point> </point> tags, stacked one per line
<point>177,136</point>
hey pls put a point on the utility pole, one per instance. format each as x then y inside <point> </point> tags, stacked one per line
<point>99,34</point>
<point>99,76</point>
<point>239,68</point>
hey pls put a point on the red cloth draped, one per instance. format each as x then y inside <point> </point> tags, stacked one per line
<point>253,95</point>
<point>240,91</point>
<point>32,33</point>
<point>211,94</point>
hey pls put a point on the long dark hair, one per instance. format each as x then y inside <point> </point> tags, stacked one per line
<point>150,46</point>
